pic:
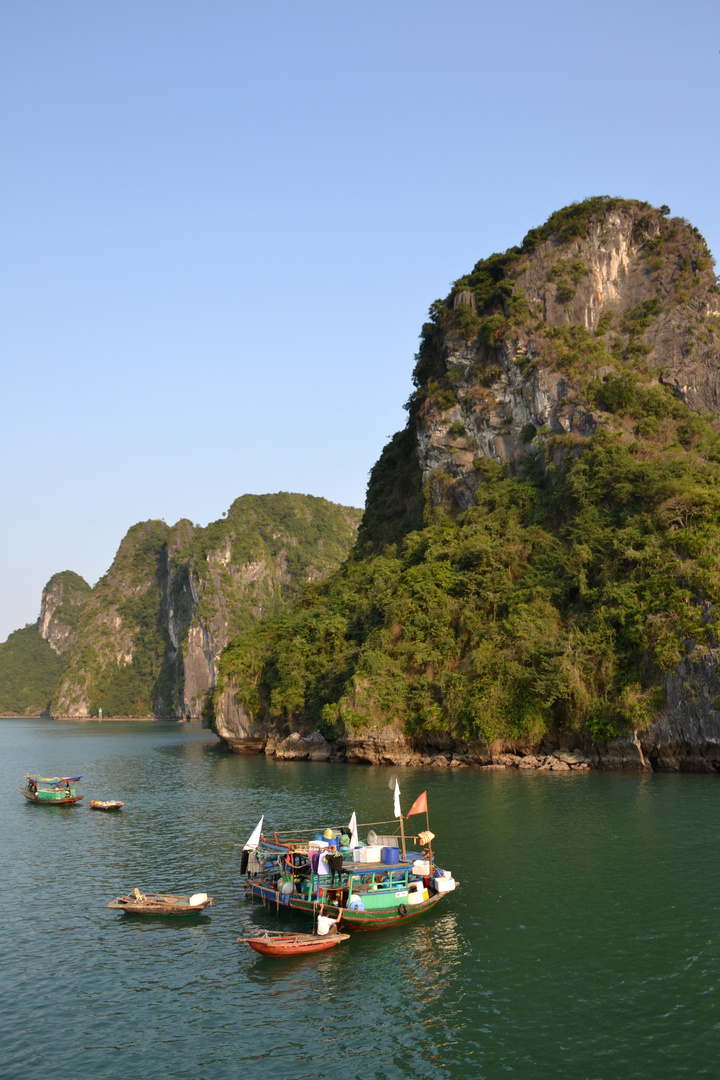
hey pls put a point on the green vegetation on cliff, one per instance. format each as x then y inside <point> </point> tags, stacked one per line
<point>282,541</point>
<point>118,664</point>
<point>132,639</point>
<point>29,673</point>
<point>547,605</point>
<point>588,565</point>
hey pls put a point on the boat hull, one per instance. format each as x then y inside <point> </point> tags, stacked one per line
<point>293,944</point>
<point>379,919</point>
<point>106,806</point>
<point>50,802</point>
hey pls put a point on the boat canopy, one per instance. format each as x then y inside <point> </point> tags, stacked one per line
<point>53,779</point>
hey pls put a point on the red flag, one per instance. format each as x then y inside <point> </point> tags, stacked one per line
<point>419,806</point>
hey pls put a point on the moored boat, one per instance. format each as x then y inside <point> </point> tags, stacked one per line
<point>370,886</point>
<point>277,943</point>
<point>106,804</point>
<point>51,790</point>
<point>137,903</point>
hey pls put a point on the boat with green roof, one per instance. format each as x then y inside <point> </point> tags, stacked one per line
<point>51,790</point>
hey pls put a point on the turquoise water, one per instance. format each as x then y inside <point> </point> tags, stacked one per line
<point>584,942</point>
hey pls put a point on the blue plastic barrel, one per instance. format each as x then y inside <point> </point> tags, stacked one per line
<point>390,855</point>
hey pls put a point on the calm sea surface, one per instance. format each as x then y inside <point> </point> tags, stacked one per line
<point>584,942</point>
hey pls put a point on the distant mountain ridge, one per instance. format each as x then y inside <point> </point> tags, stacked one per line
<point>145,640</point>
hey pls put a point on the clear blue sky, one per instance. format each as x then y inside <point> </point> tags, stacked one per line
<point>223,224</point>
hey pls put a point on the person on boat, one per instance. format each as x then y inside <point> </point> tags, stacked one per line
<point>326,926</point>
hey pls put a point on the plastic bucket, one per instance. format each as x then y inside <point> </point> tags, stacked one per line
<point>391,856</point>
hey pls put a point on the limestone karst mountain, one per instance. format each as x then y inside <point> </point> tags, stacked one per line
<point>31,660</point>
<point>146,639</point>
<point>527,349</point>
<point>539,560</point>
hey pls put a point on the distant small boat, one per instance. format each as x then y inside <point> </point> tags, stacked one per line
<point>106,804</point>
<point>50,790</point>
<point>137,903</point>
<point>277,943</point>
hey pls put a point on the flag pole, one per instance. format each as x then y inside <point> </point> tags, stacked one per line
<point>398,814</point>
<point>427,819</point>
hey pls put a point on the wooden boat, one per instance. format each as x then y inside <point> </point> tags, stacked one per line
<point>51,790</point>
<point>277,943</point>
<point>106,804</point>
<point>371,887</point>
<point>137,903</point>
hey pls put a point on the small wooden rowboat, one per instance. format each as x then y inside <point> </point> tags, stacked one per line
<point>277,943</point>
<point>137,903</point>
<point>106,804</point>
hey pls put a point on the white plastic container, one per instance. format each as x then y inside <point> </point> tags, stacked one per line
<point>317,845</point>
<point>421,867</point>
<point>370,854</point>
<point>417,895</point>
<point>445,884</point>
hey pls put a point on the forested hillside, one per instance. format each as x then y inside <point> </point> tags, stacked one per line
<point>540,549</point>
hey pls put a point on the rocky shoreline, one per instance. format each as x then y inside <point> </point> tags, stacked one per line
<point>315,748</point>
<point>626,754</point>
<point>134,719</point>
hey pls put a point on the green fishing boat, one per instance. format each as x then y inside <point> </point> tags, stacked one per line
<point>372,885</point>
<point>51,790</point>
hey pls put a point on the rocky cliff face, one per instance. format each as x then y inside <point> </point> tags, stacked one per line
<point>62,602</point>
<point>153,627</point>
<point>645,282</point>
<point>599,335</point>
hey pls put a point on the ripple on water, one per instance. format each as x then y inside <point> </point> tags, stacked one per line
<point>582,943</point>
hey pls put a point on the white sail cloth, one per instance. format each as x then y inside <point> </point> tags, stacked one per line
<point>254,838</point>
<point>352,826</point>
